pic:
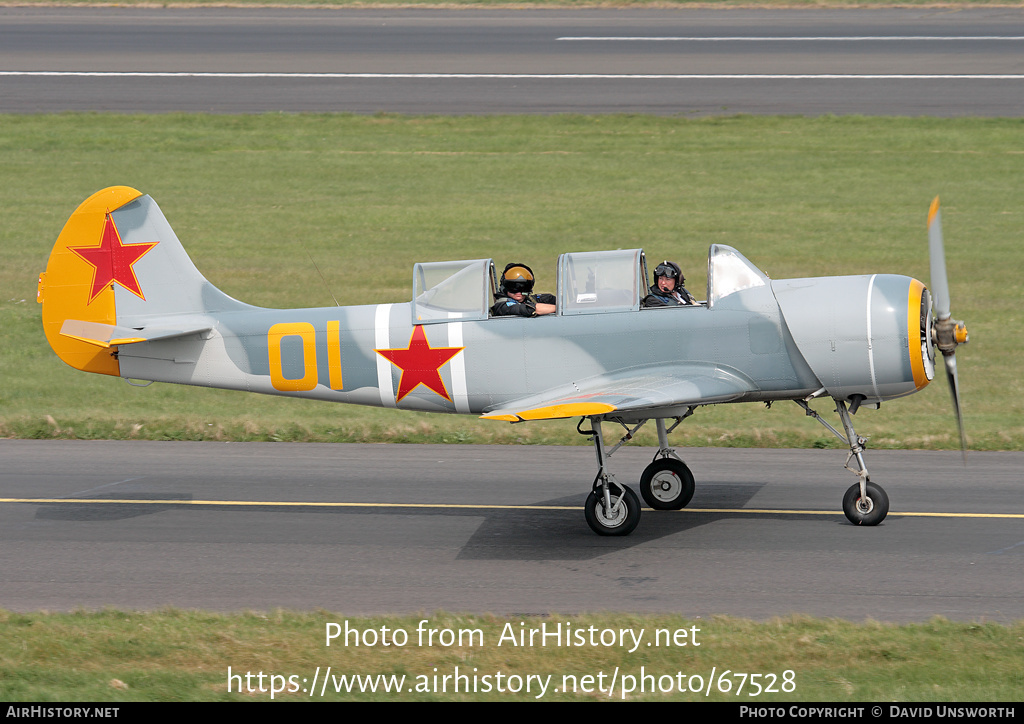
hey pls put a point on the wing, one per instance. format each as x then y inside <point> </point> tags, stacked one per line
<point>630,391</point>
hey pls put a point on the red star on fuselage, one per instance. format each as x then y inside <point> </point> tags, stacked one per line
<point>113,261</point>
<point>420,364</point>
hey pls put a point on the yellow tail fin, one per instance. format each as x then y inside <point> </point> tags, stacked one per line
<point>78,284</point>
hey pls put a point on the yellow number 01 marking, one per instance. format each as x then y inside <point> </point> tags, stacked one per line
<point>310,374</point>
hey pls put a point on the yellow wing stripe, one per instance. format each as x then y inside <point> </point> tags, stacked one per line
<point>555,412</point>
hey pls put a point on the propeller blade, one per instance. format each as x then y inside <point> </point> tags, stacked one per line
<point>940,284</point>
<point>949,333</point>
<point>954,389</point>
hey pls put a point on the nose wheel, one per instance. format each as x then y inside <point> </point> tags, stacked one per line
<point>864,503</point>
<point>868,509</point>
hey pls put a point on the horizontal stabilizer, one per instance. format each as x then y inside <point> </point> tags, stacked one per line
<point>107,335</point>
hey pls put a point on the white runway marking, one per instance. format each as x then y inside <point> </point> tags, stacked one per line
<point>102,487</point>
<point>521,76</point>
<point>798,39</point>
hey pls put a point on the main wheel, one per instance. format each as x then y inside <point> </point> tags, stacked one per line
<point>667,484</point>
<point>621,520</point>
<point>866,511</point>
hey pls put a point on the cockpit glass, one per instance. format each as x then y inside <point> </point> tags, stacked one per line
<point>447,290</point>
<point>730,272</point>
<point>599,281</point>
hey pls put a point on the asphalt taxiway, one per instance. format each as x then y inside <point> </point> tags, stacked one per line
<point>415,528</point>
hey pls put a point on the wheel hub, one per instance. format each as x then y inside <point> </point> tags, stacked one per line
<point>612,520</point>
<point>666,486</point>
<point>617,517</point>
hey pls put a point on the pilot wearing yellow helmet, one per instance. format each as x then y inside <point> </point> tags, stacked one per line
<point>515,298</point>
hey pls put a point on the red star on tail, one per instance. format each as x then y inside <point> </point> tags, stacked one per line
<point>420,364</point>
<point>113,261</point>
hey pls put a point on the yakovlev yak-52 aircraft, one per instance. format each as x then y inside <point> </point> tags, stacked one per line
<point>121,297</point>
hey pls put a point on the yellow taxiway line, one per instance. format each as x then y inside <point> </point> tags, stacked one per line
<point>458,506</point>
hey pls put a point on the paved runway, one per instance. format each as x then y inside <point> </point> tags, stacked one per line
<point>919,61</point>
<point>408,528</point>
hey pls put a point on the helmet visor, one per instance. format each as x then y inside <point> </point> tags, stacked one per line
<point>524,286</point>
<point>666,270</point>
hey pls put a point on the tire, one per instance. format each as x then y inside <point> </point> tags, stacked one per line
<point>667,484</point>
<point>624,522</point>
<point>870,511</point>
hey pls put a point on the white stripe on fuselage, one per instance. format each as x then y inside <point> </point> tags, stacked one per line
<point>382,340</point>
<point>460,391</point>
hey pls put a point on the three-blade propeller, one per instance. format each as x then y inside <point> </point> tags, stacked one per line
<point>948,332</point>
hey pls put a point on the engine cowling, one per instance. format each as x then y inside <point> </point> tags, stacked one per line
<point>865,337</point>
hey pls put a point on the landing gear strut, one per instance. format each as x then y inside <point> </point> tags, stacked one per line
<point>611,509</point>
<point>666,484</point>
<point>864,503</point>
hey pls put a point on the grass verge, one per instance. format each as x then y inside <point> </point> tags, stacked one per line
<point>254,197</point>
<point>519,4</point>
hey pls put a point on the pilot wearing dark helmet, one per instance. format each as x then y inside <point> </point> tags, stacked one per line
<point>668,289</point>
<point>515,298</point>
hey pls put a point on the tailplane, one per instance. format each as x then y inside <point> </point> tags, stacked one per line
<point>118,275</point>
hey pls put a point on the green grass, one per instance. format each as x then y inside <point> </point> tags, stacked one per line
<point>366,196</point>
<point>173,655</point>
<point>519,4</point>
